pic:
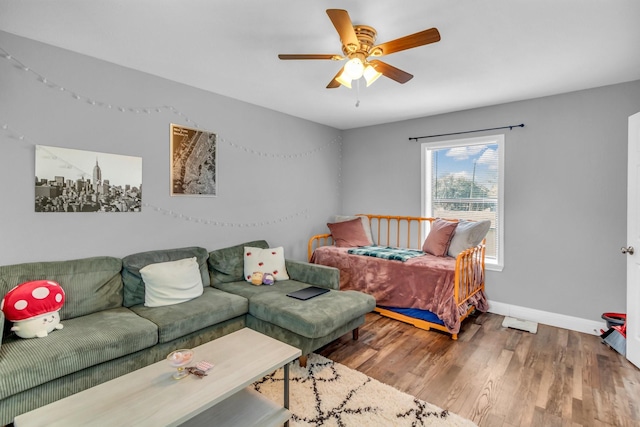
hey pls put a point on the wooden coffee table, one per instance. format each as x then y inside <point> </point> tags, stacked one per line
<point>151,397</point>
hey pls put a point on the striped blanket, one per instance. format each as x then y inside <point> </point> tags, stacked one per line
<point>386,252</point>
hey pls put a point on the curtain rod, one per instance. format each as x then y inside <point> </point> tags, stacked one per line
<point>521,125</point>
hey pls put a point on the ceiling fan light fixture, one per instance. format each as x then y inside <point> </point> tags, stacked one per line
<point>354,68</point>
<point>358,44</point>
<point>344,79</point>
<point>370,74</point>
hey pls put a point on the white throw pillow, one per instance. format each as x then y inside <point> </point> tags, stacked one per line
<point>269,260</point>
<point>467,235</point>
<point>172,282</point>
<point>366,225</point>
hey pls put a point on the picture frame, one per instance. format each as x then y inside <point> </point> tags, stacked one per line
<point>193,156</point>
<point>71,180</point>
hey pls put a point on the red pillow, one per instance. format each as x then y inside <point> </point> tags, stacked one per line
<point>439,238</point>
<point>348,234</point>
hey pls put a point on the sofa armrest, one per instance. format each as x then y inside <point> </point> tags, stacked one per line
<point>313,274</point>
<point>1,326</point>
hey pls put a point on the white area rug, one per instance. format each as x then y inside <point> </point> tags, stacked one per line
<point>329,394</point>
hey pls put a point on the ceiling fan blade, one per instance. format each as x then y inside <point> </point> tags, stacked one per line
<point>341,20</point>
<point>335,83</point>
<point>431,35</point>
<point>390,71</point>
<point>310,56</point>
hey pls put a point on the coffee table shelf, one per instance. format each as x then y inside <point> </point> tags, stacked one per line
<point>245,408</point>
<point>151,397</point>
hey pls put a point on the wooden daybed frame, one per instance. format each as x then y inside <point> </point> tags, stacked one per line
<point>409,232</point>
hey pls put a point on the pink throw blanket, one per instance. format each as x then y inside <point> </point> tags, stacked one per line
<point>424,282</point>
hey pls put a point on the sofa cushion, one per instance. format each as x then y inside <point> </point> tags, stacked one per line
<point>247,290</point>
<point>178,320</point>
<point>306,345</point>
<point>90,284</point>
<point>270,260</point>
<point>131,265</point>
<point>227,264</point>
<point>85,341</point>
<point>313,274</point>
<point>171,282</point>
<point>1,326</point>
<point>312,318</point>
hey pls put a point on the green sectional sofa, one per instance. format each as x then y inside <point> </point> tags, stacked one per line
<point>108,331</point>
<point>307,325</point>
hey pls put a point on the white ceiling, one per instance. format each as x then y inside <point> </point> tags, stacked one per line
<point>491,52</point>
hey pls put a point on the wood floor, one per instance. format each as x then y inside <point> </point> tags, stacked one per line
<point>496,376</point>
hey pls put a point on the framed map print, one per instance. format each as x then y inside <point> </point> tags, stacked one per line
<point>193,162</point>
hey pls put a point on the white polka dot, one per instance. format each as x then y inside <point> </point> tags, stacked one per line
<point>20,305</point>
<point>58,297</point>
<point>40,293</point>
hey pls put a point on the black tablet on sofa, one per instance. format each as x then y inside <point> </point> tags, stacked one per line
<point>306,293</point>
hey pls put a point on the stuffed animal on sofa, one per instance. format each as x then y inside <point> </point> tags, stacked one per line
<point>256,278</point>
<point>268,279</point>
<point>33,307</point>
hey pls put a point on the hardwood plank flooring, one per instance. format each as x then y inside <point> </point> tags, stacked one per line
<point>497,376</point>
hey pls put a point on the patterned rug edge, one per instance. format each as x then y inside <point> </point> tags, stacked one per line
<point>327,393</point>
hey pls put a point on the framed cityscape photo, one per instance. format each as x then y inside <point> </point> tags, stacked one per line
<point>193,162</point>
<point>70,180</point>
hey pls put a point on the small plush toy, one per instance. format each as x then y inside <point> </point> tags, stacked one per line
<point>33,307</point>
<point>256,278</point>
<point>268,279</point>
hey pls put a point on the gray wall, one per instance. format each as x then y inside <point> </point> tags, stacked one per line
<point>565,206</point>
<point>252,188</point>
<point>565,192</point>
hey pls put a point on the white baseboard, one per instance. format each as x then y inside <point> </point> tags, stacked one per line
<point>547,318</point>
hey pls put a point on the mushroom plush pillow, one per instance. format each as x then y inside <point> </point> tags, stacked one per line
<point>33,307</point>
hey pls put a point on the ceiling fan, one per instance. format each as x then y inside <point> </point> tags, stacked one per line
<point>358,45</point>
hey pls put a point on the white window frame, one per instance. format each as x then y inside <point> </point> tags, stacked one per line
<point>496,264</point>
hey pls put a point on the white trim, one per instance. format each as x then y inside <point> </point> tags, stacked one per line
<point>578,324</point>
<point>493,266</point>
<point>426,165</point>
<point>425,202</point>
<point>499,264</point>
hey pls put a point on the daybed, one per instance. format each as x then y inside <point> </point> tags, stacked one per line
<point>409,284</point>
<point>108,330</point>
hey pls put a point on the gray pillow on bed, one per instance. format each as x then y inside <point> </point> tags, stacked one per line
<point>467,235</point>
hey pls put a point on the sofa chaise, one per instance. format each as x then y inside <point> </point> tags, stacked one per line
<point>108,331</point>
<point>307,325</point>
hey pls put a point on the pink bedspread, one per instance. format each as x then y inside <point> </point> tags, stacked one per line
<point>425,282</point>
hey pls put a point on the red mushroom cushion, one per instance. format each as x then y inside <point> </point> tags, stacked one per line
<point>31,299</point>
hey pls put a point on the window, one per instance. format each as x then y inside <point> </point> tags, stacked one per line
<point>464,179</point>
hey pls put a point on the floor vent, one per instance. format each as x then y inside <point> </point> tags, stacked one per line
<point>522,325</point>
